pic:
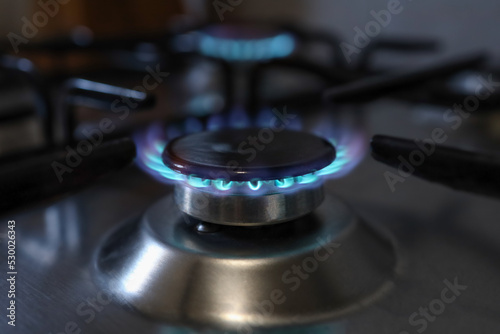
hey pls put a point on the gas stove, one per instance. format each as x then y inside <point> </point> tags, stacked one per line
<point>268,214</point>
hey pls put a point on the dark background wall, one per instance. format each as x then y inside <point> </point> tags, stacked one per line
<point>462,24</point>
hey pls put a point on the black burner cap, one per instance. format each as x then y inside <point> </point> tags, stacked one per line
<point>248,154</point>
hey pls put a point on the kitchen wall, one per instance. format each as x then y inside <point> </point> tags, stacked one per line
<point>10,13</point>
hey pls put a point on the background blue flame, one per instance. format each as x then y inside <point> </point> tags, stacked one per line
<point>279,46</point>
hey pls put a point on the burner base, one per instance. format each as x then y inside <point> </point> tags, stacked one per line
<point>314,269</point>
<point>248,210</point>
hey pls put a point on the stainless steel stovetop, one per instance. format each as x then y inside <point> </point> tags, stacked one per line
<point>447,243</point>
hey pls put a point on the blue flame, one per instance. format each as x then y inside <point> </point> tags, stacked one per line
<point>255,185</point>
<point>350,147</point>
<point>279,46</point>
<point>266,116</point>
<point>193,125</point>
<point>197,182</point>
<point>239,119</point>
<point>333,328</point>
<point>285,183</point>
<point>216,122</point>
<point>308,178</point>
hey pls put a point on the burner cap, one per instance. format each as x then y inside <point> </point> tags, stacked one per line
<point>248,154</point>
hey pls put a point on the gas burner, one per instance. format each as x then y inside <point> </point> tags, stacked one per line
<point>349,147</point>
<point>255,176</point>
<point>240,42</point>
<point>205,257</point>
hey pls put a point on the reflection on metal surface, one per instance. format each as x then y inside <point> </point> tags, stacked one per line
<point>142,269</point>
<point>63,233</point>
<point>226,279</point>
<point>241,210</point>
<point>336,328</point>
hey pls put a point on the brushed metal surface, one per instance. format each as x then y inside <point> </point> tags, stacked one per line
<point>308,271</point>
<point>248,210</point>
<point>443,235</point>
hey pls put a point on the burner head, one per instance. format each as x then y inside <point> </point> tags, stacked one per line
<point>227,163</point>
<point>248,154</point>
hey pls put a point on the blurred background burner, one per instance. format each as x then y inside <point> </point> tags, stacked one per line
<point>239,42</point>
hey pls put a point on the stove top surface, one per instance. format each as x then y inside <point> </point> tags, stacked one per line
<point>447,240</point>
